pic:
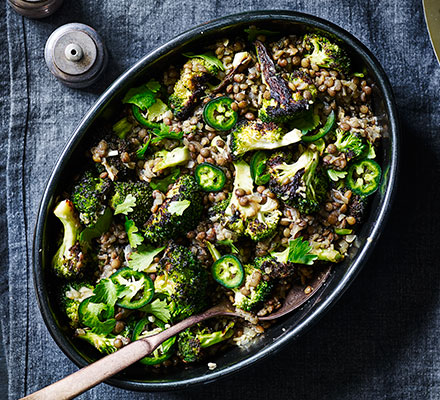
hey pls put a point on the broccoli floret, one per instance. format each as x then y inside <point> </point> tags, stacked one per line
<point>350,144</point>
<point>89,197</point>
<point>357,207</point>
<point>302,184</point>
<point>190,86</point>
<point>281,106</point>
<point>179,213</point>
<point>143,196</point>
<point>182,278</point>
<point>104,344</point>
<point>253,135</point>
<point>326,54</point>
<point>219,208</point>
<point>193,340</point>
<point>255,219</point>
<point>180,155</point>
<point>71,257</point>
<point>72,294</point>
<point>254,290</point>
<point>303,83</point>
<point>276,265</point>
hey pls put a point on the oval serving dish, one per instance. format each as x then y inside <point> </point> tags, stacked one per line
<point>343,274</point>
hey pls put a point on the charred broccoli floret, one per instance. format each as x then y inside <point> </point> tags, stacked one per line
<point>276,265</point>
<point>179,155</point>
<point>179,213</point>
<point>253,135</point>
<point>254,290</point>
<point>182,278</point>
<point>282,105</point>
<point>350,144</point>
<point>104,344</point>
<point>191,86</point>
<point>72,294</point>
<point>192,341</point>
<point>89,197</point>
<point>326,54</point>
<point>141,200</point>
<point>219,208</point>
<point>255,219</point>
<point>302,184</point>
<point>70,259</point>
<point>357,207</point>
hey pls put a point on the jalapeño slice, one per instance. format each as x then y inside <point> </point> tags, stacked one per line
<point>139,116</point>
<point>138,288</point>
<point>162,352</point>
<point>328,126</point>
<point>209,177</point>
<point>228,271</point>
<point>363,178</point>
<point>219,115</point>
<point>258,168</point>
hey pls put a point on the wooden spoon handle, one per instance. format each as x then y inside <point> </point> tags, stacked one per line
<point>106,367</point>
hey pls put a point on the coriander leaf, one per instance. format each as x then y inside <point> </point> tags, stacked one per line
<point>209,57</point>
<point>140,153</point>
<point>126,206</point>
<point>142,260</point>
<point>335,175</point>
<point>134,238</point>
<point>97,316</point>
<point>230,243</point>
<point>306,122</point>
<point>159,308</point>
<point>253,32</point>
<point>102,225</point>
<point>163,132</point>
<point>178,207</point>
<point>162,184</point>
<point>141,96</point>
<point>107,291</point>
<point>299,252</point>
<point>153,85</point>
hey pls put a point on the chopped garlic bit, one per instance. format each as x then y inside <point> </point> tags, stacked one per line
<point>212,366</point>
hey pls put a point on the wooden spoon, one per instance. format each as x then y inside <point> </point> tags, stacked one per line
<point>106,367</point>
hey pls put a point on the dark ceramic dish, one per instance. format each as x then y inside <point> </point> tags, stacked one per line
<point>343,274</point>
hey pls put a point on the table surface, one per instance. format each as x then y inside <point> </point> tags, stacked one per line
<point>380,341</point>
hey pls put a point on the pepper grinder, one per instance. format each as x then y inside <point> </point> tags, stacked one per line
<point>76,55</point>
<point>35,8</point>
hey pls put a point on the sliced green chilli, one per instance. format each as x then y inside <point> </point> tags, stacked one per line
<point>258,168</point>
<point>209,177</point>
<point>138,288</point>
<point>139,116</point>
<point>164,351</point>
<point>328,126</point>
<point>218,114</point>
<point>98,316</point>
<point>363,177</point>
<point>228,271</point>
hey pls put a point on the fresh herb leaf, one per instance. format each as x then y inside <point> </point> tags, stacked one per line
<point>153,85</point>
<point>299,252</point>
<point>142,260</point>
<point>306,122</point>
<point>107,291</point>
<point>134,238</point>
<point>164,132</point>
<point>97,316</point>
<point>159,308</point>
<point>141,96</point>
<point>126,206</point>
<point>122,127</point>
<point>209,57</point>
<point>162,184</point>
<point>178,207</point>
<point>253,32</point>
<point>335,175</point>
<point>140,153</point>
<point>230,243</point>
<point>102,225</point>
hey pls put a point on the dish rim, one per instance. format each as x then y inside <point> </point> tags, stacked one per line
<point>77,136</point>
